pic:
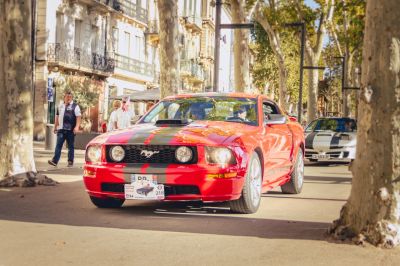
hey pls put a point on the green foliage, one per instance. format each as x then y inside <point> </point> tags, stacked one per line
<point>84,91</point>
<point>265,69</point>
<point>355,15</point>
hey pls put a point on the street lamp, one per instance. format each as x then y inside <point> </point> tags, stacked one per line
<point>218,27</point>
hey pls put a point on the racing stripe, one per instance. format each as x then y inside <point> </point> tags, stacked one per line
<point>141,135</point>
<point>335,141</point>
<point>310,139</point>
<point>157,136</point>
<point>165,135</point>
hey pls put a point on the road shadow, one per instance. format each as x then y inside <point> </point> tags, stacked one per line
<point>278,194</point>
<point>68,204</point>
<point>330,179</point>
<point>319,164</point>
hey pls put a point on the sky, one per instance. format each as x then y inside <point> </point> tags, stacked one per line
<point>311,3</point>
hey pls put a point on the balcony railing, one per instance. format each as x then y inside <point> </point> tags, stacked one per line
<point>134,65</point>
<point>193,69</point>
<point>194,22</point>
<point>77,58</point>
<point>131,9</point>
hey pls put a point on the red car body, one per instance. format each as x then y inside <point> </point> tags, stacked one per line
<point>276,145</point>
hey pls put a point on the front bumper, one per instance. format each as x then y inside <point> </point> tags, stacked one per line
<point>345,154</point>
<point>182,182</point>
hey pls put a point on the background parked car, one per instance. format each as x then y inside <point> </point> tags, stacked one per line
<point>331,139</point>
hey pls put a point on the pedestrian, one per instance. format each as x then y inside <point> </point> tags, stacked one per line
<point>67,122</point>
<point>112,121</point>
<point>124,114</point>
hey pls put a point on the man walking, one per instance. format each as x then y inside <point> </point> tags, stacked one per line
<point>68,119</point>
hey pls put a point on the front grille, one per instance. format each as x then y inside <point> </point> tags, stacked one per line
<point>163,154</point>
<point>180,190</point>
<point>168,189</point>
<point>310,153</point>
<point>112,187</point>
<point>334,154</point>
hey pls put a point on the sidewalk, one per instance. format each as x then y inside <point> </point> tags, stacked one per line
<point>61,173</point>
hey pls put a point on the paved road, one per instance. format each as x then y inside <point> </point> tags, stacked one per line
<point>59,226</point>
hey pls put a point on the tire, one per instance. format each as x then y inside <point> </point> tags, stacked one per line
<point>107,202</point>
<point>295,184</point>
<point>250,199</point>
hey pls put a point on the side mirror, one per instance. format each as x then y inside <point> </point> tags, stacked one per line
<point>275,119</point>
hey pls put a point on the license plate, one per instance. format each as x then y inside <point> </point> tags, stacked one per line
<point>144,187</point>
<point>321,156</point>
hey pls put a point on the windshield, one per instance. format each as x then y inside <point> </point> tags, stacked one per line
<point>334,124</point>
<point>231,109</point>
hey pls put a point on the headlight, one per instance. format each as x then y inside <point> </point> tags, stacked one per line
<point>93,154</point>
<point>219,155</point>
<point>183,154</point>
<point>117,153</point>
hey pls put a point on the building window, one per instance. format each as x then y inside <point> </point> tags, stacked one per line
<point>143,4</point>
<point>115,39</point>
<point>95,39</point>
<point>78,31</point>
<point>126,45</point>
<point>138,53</point>
<point>59,28</point>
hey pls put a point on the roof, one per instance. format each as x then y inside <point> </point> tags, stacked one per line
<point>154,95</point>
<point>214,94</point>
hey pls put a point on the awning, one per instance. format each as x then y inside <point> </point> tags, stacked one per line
<point>147,95</point>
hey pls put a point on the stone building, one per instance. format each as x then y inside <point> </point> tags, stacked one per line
<point>110,48</point>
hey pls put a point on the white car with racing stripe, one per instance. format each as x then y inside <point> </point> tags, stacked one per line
<point>331,139</point>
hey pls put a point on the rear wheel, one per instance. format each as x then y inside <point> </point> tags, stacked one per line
<point>295,184</point>
<point>250,199</point>
<point>107,202</point>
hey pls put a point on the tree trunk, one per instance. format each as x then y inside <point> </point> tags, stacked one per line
<point>169,48</point>
<point>276,46</point>
<point>240,48</point>
<point>372,211</point>
<point>16,132</point>
<point>312,97</point>
<point>348,82</point>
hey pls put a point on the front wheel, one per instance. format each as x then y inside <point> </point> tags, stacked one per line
<point>250,199</point>
<point>295,184</point>
<point>107,202</point>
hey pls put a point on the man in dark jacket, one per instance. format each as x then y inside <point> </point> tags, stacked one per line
<point>68,119</point>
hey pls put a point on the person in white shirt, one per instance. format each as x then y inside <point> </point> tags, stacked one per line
<point>112,121</point>
<point>124,114</point>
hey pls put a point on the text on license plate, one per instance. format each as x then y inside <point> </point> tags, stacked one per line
<point>320,156</point>
<point>145,187</point>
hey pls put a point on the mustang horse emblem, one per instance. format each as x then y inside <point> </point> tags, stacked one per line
<point>148,154</point>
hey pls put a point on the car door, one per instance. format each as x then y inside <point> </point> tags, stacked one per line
<point>277,144</point>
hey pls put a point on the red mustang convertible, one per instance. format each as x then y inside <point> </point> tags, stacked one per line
<point>208,147</point>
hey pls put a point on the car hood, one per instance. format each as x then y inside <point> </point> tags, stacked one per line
<point>199,132</point>
<point>323,140</point>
